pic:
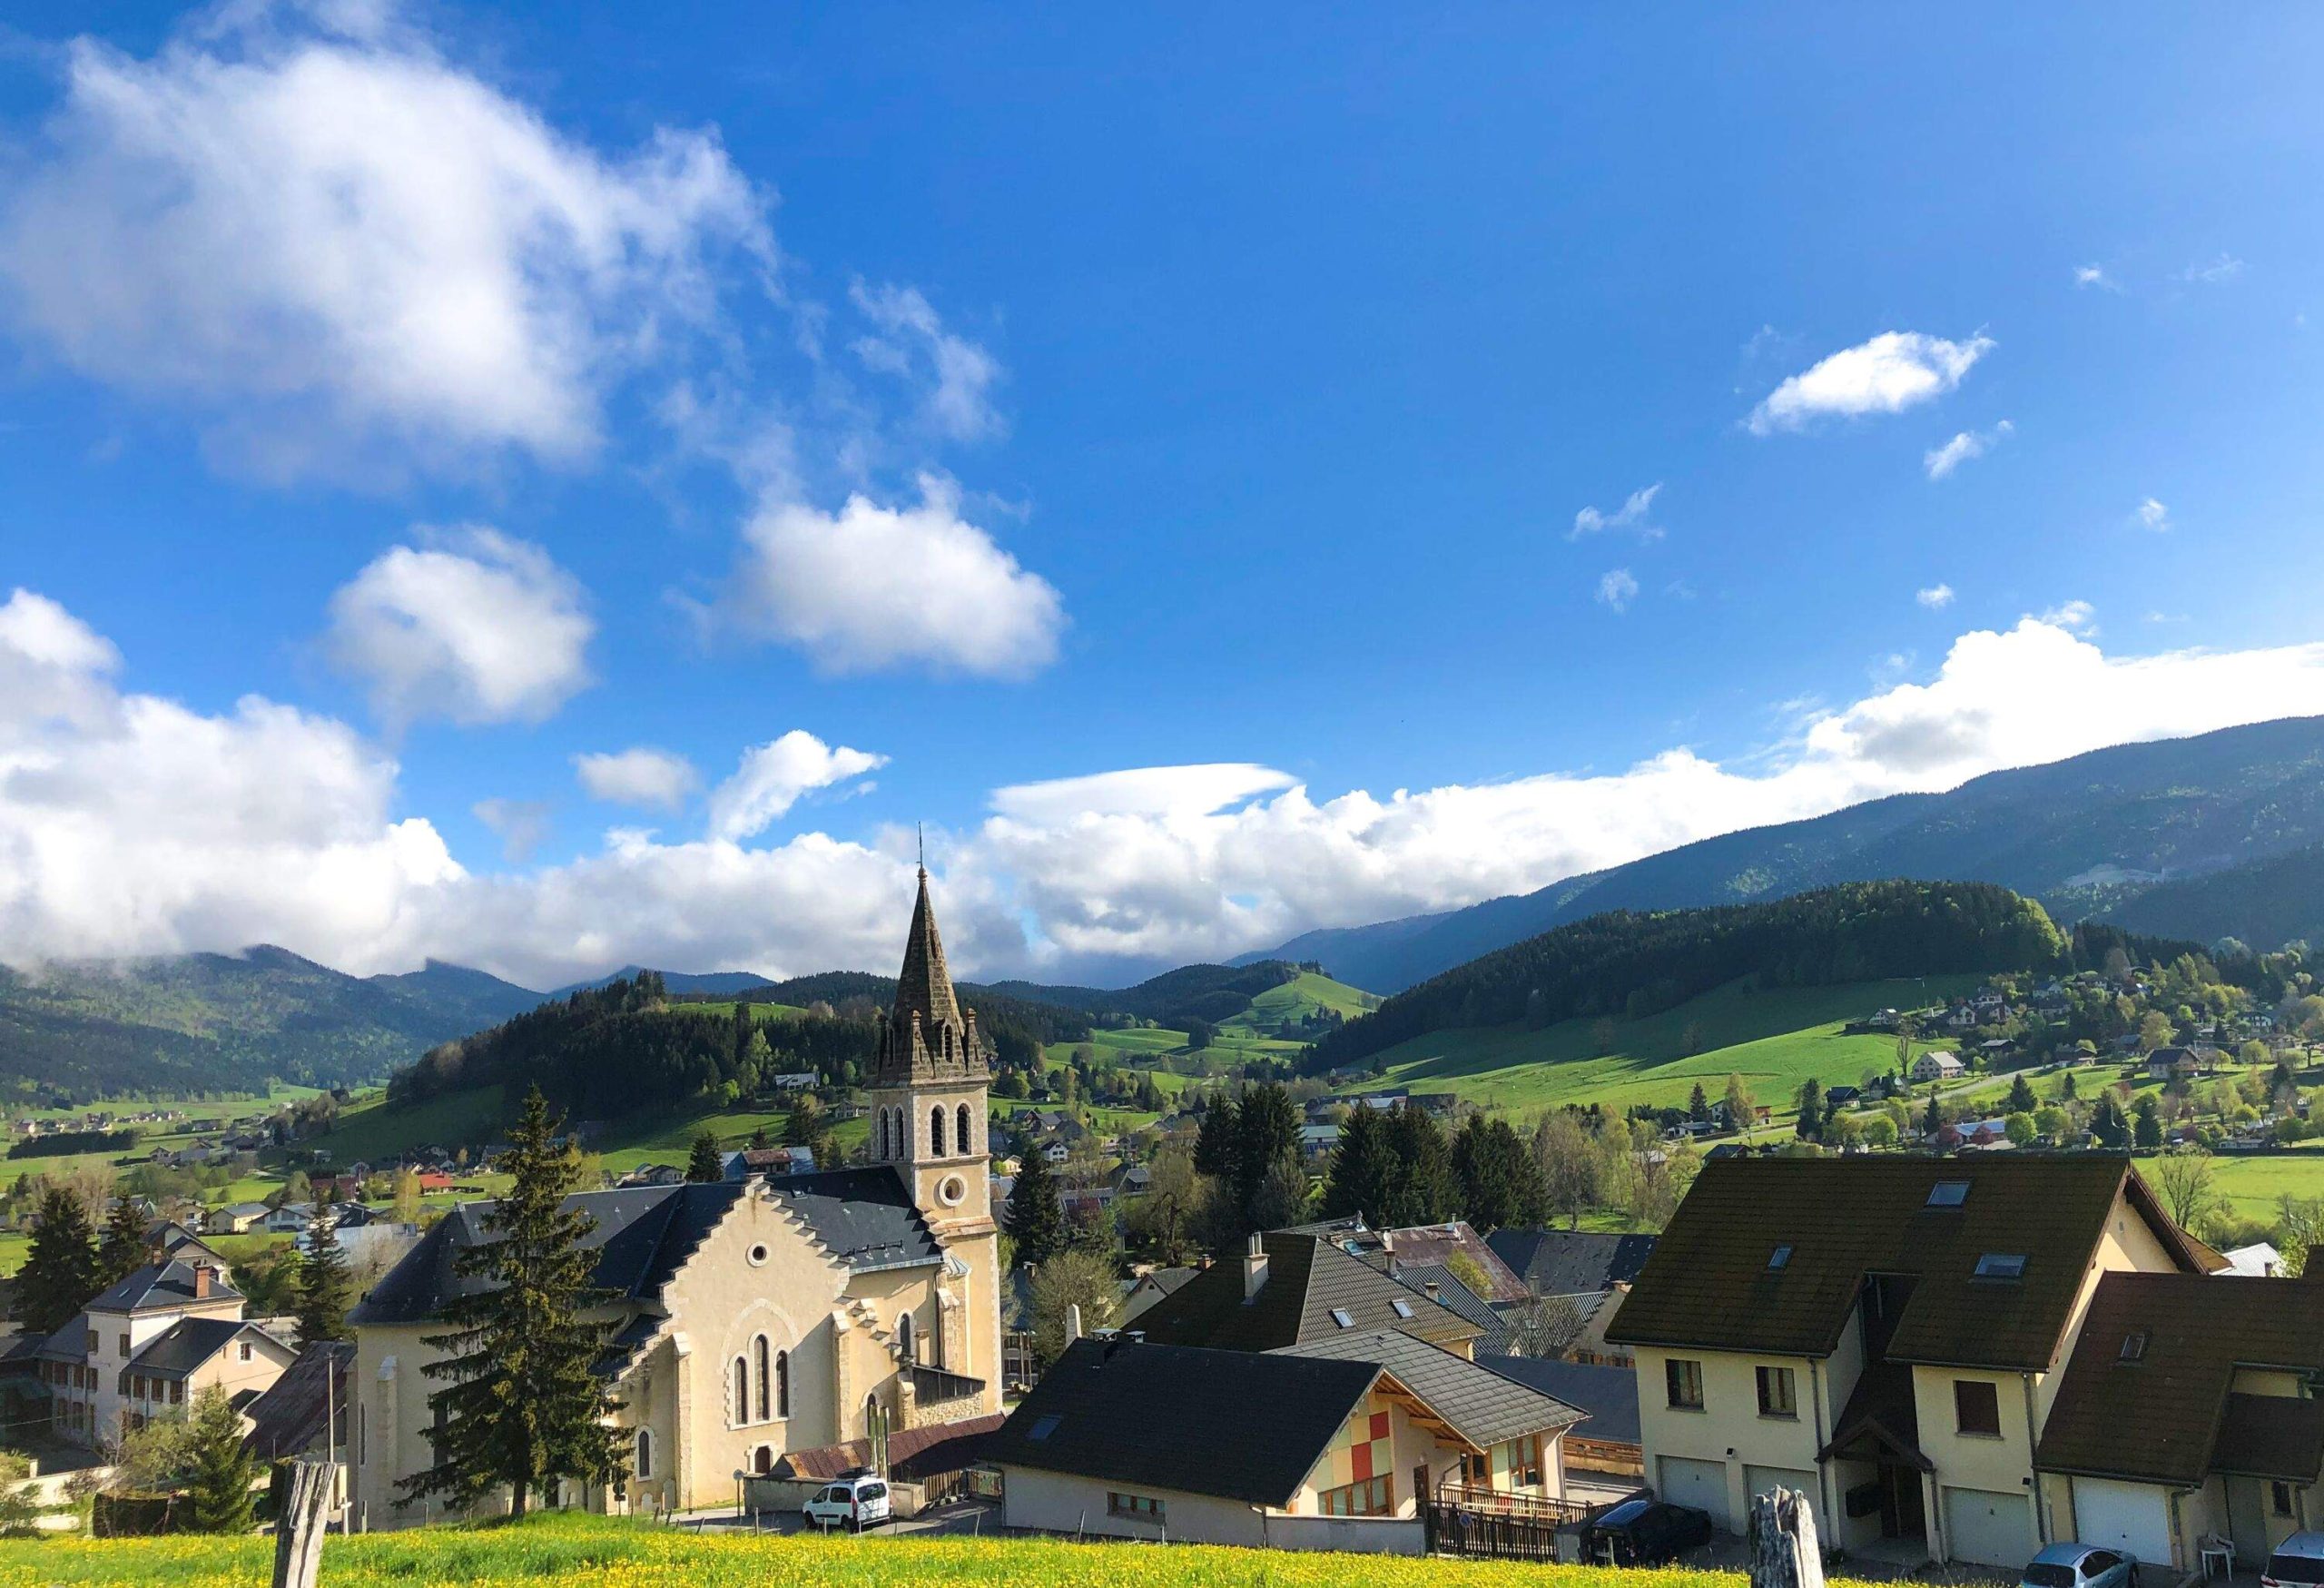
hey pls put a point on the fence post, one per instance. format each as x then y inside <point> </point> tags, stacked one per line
<point>298,1527</point>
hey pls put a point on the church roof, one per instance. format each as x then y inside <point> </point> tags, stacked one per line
<point>925,987</point>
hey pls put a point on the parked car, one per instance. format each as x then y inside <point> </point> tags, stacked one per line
<point>2081,1565</point>
<point>2298,1562</point>
<point>854,1500</point>
<point>1644,1532</point>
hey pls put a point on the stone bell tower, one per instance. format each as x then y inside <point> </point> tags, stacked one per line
<point>928,1090</point>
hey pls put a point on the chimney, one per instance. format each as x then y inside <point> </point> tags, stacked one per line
<point>1435,1291</point>
<point>1072,1323</point>
<point>1254,1266</point>
<point>202,1281</point>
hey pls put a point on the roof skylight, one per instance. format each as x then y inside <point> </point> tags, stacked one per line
<point>1948,1193</point>
<point>2002,1266</point>
<point>1779,1258</point>
<point>1342,1317</point>
<point>1044,1426</point>
<point>1403,1308</point>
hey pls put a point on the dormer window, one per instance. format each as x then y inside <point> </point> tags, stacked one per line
<point>1779,1259</point>
<point>1948,1193</point>
<point>2001,1267</point>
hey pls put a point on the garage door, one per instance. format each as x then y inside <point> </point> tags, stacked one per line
<point>1699,1484</point>
<point>1759,1480</point>
<point>1988,1527</point>
<point>2129,1517</point>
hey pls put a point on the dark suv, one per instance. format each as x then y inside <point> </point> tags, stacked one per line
<point>1644,1532</point>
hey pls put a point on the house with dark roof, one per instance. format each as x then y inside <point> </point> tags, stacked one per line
<point>1604,1443</point>
<point>1288,1289</point>
<point>1323,1447</point>
<point>2188,1411</point>
<point>1424,1245</point>
<point>752,1316</point>
<point>1886,1335</point>
<point>1589,1270</point>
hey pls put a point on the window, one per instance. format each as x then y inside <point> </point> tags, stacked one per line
<point>883,1135</point>
<point>2134,1348</point>
<point>2280,1498</point>
<point>1145,1507</point>
<point>645,1453</point>
<point>242,1352</point>
<point>1371,1497</point>
<point>759,1365</point>
<point>1948,1193</point>
<point>1342,1317</point>
<point>936,1131</point>
<point>762,1460</point>
<point>1685,1382</point>
<point>363,1436</point>
<point>177,1392</point>
<point>783,1384</point>
<point>1778,1396</point>
<point>1521,1459</point>
<point>903,1335</point>
<point>1403,1308</point>
<point>2002,1267</point>
<point>1779,1258</point>
<point>742,1392</point>
<point>125,1347</point>
<point>1044,1426</point>
<point>1977,1407</point>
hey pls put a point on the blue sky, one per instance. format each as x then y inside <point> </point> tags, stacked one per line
<point>481,387</point>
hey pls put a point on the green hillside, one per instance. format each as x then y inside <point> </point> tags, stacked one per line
<point>1281,1010</point>
<point>1775,1037</point>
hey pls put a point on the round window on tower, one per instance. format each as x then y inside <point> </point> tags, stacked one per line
<point>952,1190</point>
<point>758,1256</point>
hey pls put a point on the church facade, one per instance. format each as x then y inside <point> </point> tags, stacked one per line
<point>755,1317</point>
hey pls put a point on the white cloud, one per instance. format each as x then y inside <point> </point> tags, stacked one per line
<point>775,776</point>
<point>2076,616</point>
<point>874,587</point>
<point>2091,275</point>
<point>1144,791</point>
<point>2152,514</point>
<point>1936,598</point>
<point>1894,370</point>
<point>1630,516</point>
<point>910,341</point>
<point>648,778</point>
<point>342,250</point>
<point>1965,444</point>
<point>523,825</point>
<point>2211,272</point>
<point>473,626</point>
<point>1617,588</point>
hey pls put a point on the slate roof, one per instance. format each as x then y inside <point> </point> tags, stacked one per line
<point>159,1285</point>
<point>288,1417</point>
<point>1606,1397</point>
<point>1427,1245</point>
<point>1570,1262</point>
<point>2197,1330</point>
<point>1712,1282</point>
<point>1306,1279</point>
<point>1482,1407</point>
<point>187,1343</point>
<point>1242,1426</point>
<point>864,1216</point>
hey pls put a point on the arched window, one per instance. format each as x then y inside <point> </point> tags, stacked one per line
<point>903,1335</point>
<point>871,1413</point>
<point>645,1463</point>
<point>883,1135</point>
<point>742,1392</point>
<point>783,1384</point>
<point>936,1131</point>
<point>961,1131</point>
<point>766,1380</point>
<point>762,1460</point>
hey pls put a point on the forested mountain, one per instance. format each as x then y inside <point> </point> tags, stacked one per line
<point>189,1023</point>
<point>2267,903</point>
<point>1631,963</point>
<point>2086,836</point>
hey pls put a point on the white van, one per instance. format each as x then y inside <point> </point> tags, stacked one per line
<point>854,1500</point>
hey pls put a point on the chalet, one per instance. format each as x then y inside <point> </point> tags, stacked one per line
<point>2172,1064</point>
<point>1935,1065</point>
<point>238,1218</point>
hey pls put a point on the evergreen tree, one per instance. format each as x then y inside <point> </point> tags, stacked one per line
<point>1421,1186</point>
<point>1501,1184</point>
<point>1809,1126</point>
<point>1934,1120</point>
<point>1034,1215</point>
<point>1698,1105</point>
<point>1266,1127</point>
<point>123,1249</point>
<point>1283,1194</point>
<point>2021,1097</point>
<point>806,1127</point>
<point>59,1274</point>
<point>523,1406</point>
<point>1357,1181</point>
<point>223,1471</point>
<point>1217,1147</point>
<point>759,1139</point>
<point>325,1287</point>
<point>704,1164</point>
<point>2147,1124</point>
<point>2107,1123</point>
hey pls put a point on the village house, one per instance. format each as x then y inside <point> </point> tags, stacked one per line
<point>1935,1065</point>
<point>1887,1336</point>
<point>1587,1269</point>
<point>1288,1289</point>
<point>753,1318</point>
<point>2174,1064</point>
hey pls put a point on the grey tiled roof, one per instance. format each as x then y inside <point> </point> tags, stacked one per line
<point>1455,1296</point>
<point>168,1284</point>
<point>1608,1395</point>
<point>864,1216</point>
<point>1308,1281</point>
<point>1482,1407</point>
<point>187,1343</point>
<point>288,1417</point>
<point>1570,1262</point>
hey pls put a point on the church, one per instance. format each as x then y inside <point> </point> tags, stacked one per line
<point>756,1317</point>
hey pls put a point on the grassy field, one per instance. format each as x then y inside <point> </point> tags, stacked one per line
<point>592,1553</point>
<point>1278,1011</point>
<point>1774,1039</point>
<point>2252,1184</point>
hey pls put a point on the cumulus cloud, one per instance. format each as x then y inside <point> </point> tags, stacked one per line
<point>1617,588</point>
<point>1941,461</point>
<point>874,587</point>
<point>909,340</point>
<point>647,778</point>
<point>1936,598</point>
<point>2079,616</point>
<point>523,825</point>
<point>2091,275</point>
<point>332,243</point>
<point>1631,518</point>
<point>2152,514</point>
<point>1144,791</point>
<point>472,625</point>
<point>1894,370</point>
<point>775,776</point>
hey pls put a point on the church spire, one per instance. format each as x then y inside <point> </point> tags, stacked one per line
<point>925,988</point>
<point>928,1036</point>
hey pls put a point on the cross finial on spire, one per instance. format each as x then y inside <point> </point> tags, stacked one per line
<point>921,830</point>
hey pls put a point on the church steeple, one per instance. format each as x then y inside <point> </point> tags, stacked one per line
<point>928,1036</point>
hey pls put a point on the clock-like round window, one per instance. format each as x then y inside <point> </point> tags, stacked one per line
<point>758,1256</point>
<point>952,1188</point>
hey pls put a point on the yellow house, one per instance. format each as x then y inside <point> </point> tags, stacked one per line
<point>2189,1415</point>
<point>1887,1336</point>
<point>753,1318</point>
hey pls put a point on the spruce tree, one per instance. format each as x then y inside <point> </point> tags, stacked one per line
<point>1698,1105</point>
<point>522,1405</point>
<point>2021,1097</point>
<point>1034,1216</point>
<point>1357,1181</point>
<point>325,1287</point>
<point>1421,1186</point>
<point>1217,1147</point>
<point>1266,1127</point>
<point>123,1249</point>
<point>223,1471</point>
<point>1811,1104</point>
<point>703,1163</point>
<point>59,1275</point>
<point>1500,1185</point>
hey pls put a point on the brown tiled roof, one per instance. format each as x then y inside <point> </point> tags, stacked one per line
<point>912,1453</point>
<point>1421,1245</point>
<point>1710,1282</point>
<point>2197,1330</point>
<point>1307,1280</point>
